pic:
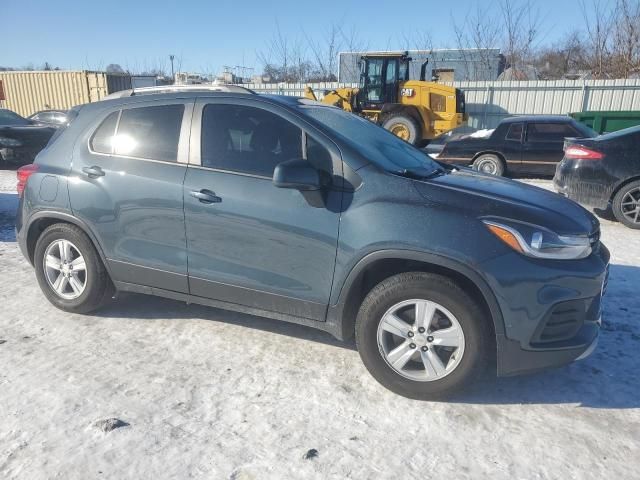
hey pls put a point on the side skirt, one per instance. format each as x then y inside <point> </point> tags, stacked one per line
<point>328,327</point>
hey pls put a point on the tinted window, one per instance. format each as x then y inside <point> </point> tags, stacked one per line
<point>149,132</point>
<point>102,139</point>
<point>515,132</point>
<point>549,132</point>
<point>7,117</point>
<point>44,116</point>
<point>376,144</point>
<point>247,139</point>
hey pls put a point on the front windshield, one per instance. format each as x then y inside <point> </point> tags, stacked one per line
<point>377,144</point>
<point>7,117</point>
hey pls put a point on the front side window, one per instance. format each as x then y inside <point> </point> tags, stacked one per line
<point>515,132</point>
<point>248,140</point>
<point>549,132</point>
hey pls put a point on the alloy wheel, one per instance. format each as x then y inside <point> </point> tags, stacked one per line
<point>65,269</point>
<point>630,205</point>
<point>421,340</point>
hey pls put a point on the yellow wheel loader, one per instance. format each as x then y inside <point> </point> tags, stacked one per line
<point>414,110</point>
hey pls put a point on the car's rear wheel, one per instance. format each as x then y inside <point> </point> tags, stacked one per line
<point>626,205</point>
<point>421,336</point>
<point>490,164</point>
<point>69,270</point>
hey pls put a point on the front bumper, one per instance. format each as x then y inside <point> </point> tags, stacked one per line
<point>553,315</point>
<point>514,360</point>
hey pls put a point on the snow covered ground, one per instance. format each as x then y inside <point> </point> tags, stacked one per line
<point>218,395</point>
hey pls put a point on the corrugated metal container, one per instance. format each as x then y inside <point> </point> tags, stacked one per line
<point>29,92</point>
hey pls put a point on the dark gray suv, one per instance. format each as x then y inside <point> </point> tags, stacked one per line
<point>285,208</point>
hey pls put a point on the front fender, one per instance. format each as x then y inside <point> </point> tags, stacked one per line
<point>338,312</point>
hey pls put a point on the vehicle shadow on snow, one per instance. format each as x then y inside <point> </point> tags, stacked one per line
<point>609,378</point>
<point>8,207</point>
<point>132,305</point>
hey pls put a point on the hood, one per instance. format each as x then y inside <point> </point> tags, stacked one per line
<point>490,196</point>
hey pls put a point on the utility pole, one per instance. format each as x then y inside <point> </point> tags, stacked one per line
<point>173,75</point>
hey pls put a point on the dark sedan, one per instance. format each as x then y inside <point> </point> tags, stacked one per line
<point>529,145</point>
<point>21,139</point>
<point>604,172</point>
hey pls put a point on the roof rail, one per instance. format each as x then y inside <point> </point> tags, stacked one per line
<point>178,88</point>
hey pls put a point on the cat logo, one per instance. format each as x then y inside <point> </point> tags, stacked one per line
<point>407,92</point>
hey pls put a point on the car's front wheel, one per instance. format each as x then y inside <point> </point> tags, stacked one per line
<point>70,271</point>
<point>421,336</point>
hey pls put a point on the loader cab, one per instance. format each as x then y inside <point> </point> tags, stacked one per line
<point>380,79</point>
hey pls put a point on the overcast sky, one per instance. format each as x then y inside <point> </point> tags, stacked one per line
<point>81,34</point>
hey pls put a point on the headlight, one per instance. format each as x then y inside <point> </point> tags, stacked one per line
<point>539,242</point>
<point>9,142</point>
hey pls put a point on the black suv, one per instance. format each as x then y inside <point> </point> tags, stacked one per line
<point>289,209</point>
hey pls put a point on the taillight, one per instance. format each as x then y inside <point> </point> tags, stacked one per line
<point>23,174</point>
<point>577,152</point>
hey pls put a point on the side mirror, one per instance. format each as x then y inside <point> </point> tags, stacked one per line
<point>297,174</point>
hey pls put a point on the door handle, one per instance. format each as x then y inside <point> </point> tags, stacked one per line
<point>206,196</point>
<point>93,172</point>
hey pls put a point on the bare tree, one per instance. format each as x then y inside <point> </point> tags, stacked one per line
<point>284,59</point>
<point>479,32</point>
<point>564,58</point>
<point>325,53</point>
<point>521,24</point>
<point>626,38</point>
<point>598,22</point>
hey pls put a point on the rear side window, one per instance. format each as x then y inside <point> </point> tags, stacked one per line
<point>550,132</point>
<point>515,132</point>
<point>102,139</point>
<point>245,139</point>
<point>149,132</point>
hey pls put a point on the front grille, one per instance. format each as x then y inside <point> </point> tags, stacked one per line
<point>562,322</point>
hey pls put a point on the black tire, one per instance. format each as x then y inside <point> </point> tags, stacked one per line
<point>404,121</point>
<point>628,214</point>
<point>490,164</point>
<point>98,288</point>
<point>439,289</point>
